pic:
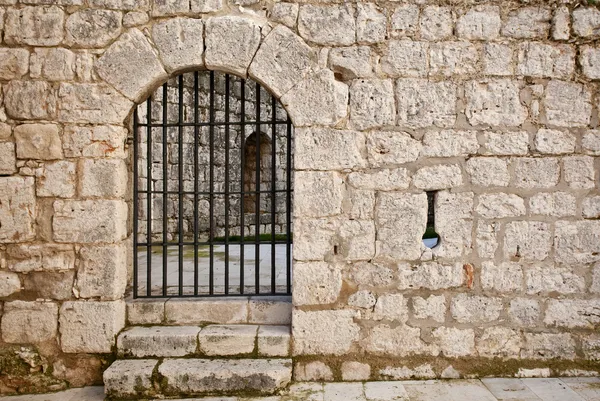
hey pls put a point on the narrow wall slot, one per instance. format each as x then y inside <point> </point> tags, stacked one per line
<point>431,238</point>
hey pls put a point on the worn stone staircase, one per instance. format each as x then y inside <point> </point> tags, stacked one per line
<point>184,348</point>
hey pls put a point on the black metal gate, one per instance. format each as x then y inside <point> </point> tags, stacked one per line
<point>213,193</point>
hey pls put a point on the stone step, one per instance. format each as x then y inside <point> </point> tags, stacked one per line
<point>213,340</point>
<point>142,378</point>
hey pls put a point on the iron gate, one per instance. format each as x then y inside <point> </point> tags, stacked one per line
<point>213,189</point>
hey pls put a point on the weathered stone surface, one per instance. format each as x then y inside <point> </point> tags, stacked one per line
<point>221,340</point>
<point>362,204</point>
<point>362,299</point>
<point>54,64</point>
<point>270,310</point>
<point>92,104</point>
<point>405,20</point>
<point>591,347</point>
<point>372,103</point>
<point>14,63</point>
<point>573,313</point>
<point>351,62</point>
<point>589,58</point>
<point>386,149</point>
<point>506,143</point>
<point>158,341</point>
<point>438,177</point>
<point>17,209</point>
<point>38,141</point>
<point>314,238</point>
<point>547,346</point>
<point>282,61</point>
<point>432,307</point>
<point>487,239</point>
<point>56,179</point>
<point>315,24</point>
<point>29,322</point>
<point>586,21</point>
<point>590,207</point>
<point>549,279</point>
<point>370,274</point>
<point>89,221</point>
<point>453,223</point>
<point>186,312</point>
<point>318,194</point>
<point>312,371</point>
<point>524,312</point>
<point>421,103</point>
<point>488,171</point>
<point>8,158</point>
<point>436,23</point>
<point>554,142</point>
<point>536,172</point>
<point>371,23</point>
<point>499,342</point>
<point>430,275</point>
<point>392,307</point>
<point>285,13</point>
<point>453,58</point>
<point>498,59</point>
<point>316,283</point>
<point>502,277</point>
<point>273,340</point>
<point>89,28</point>
<point>135,18</point>
<point>475,309</point>
<point>567,104</point>
<point>494,102</point>
<point>50,285</point>
<point>406,58</point>
<point>102,272</point>
<point>5,130</point>
<point>324,332</point>
<point>29,100</point>
<point>129,378</point>
<point>449,143</point>
<point>500,205</point>
<point>381,180</point>
<point>357,240</point>
<point>120,4</point>
<point>394,214</point>
<point>145,311</point>
<point>180,43</point>
<point>47,257</point>
<point>528,23</point>
<point>106,178</point>
<point>399,341</point>
<point>455,342</point>
<point>529,240</point>
<point>479,23</point>
<point>421,372</point>
<point>90,326</point>
<point>558,204</point>
<point>579,172</point>
<point>543,60</point>
<point>577,241</point>
<point>133,79</point>
<point>9,284</point>
<point>314,145</point>
<point>561,24</point>
<point>98,141</point>
<point>355,371</point>
<point>34,26</point>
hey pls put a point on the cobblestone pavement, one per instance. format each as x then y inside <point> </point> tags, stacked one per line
<point>564,389</point>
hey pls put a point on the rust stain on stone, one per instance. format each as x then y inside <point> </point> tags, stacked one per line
<point>469,273</point>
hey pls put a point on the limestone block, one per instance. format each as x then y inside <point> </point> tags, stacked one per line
<point>455,342</point>
<point>129,377</point>
<point>314,238</point>
<point>554,142</point>
<point>120,4</point>
<point>454,223</point>
<point>486,239</point>
<point>372,103</point>
<point>9,283</point>
<point>494,102</point>
<point>453,58</point>
<point>47,257</point>
<point>92,104</point>
<point>557,204</point>
<point>29,322</point>
<point>436,23</point>
<point>500,205</point>
<point>430,275</point>
<point>89,221</point>
<point>227,339</point>
<point>90,326</point>
<point>591,142</point>
<point>573,313</point>
<point>543,60</point>
<point>351,62</point>
<point>420,372</point>
<point>271,310</point>
<point>590,207</point>
<point>362,204</point>
<point>29,100</point>
<point>405,20</point>
<point>438,177</point>
<point>475,309</point>
<point>479,23</point>
<point>530,240</point>
<point>406,58</point>
<point>449,143</point>
<point>180,43</point>
<point>385,149</point>
<point>499,342</point>
<point>362,299</point>
<point>38,141</point>
<point>551,279</point>
<point>357,240</point>
<point>282,61</point>
<point>319,91</point>
<point>392,307</point>
<point>371,24</point>
<point>381,180</point>
<point>330,332</point>
<point>56,64</point>
<point>524,312</point>
<point>355,371</point>
<point>370,274</point>
<point>561,24</point>
<point>34,26</point>
<point>547,346</point>
<point>591,347</point>
<point>273,340</point>
<point>400,341</point>
<point>586,21</point>
<point>312,371</point>
<point>498,59</point>
<point>577,242</point>
<point>50,285</point>
<point>579,172</point>
<point>432,307</point>
<point>316,283</point>
<point>327,24</point>
<point>314,149</point>
<point>158,341</point>
<point>56,179</point>
<point>501,277</point>
<point>232,310</point>
<point>567,104</point>
<point>5,130</point>
<point>131,65</point>
<point>14,63</point>
<point>506,143</point>
<point>105,178</point>
<point>421,103</point>
<point>102,272</point>
<point>91,28</point>
<point>98,141</point>
<point>285,13</point>
<point>536,172</point>
<point>318,194</point>
<point>135,18</point>
<point>8,158</point>
<point>488,171</point>
<point>17,209</point>
<point>589,58</point>
<point>528,23</point>
<point>400,220</point>
<point>145,312</point>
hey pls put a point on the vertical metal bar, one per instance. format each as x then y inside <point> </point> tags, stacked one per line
<point>273,189</point>
<point>211,180</point>
<point>288,208</point>
<point>135,203</point>
<point>196,183</point>
<point>243,162</point>
<point>180,184</point>
<point>257,137</point>
<point>149,187</point>
<point>226,184</point>
<point>165,188</point>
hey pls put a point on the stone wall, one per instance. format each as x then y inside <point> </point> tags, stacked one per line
<point>494,106</point>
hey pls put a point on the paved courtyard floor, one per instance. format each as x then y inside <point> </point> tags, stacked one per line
<point>563,389</point>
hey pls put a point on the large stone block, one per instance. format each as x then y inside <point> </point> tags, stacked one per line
<point>497,59</point>
<point>285,13</point>
<point>557,204</point>
<point>405,20</point>
<point>567,104</point>
<point>453,59</point>
<point>589,58</point>
<point>126,5</point>
<point>591,347</point>
<point>380,180</point>
<point>488,171</point>
<point>561,23</point>
<point>38,141</point>
<point>329,332</point>
<point>494,102</point>
<point>524,311</point>
<point>187,312</point>
<point>577,242</point>
<point>372,103</point>
<point>180,43</point>
<point>486,239</point>
<point>130,378</point>
<point>131,65</point>
<point>273,340</point>
<point>105,178</point>
<point>90,327</point>
<point>421,103</point>
<point>327,24</point>
<point>17,209</point>
<point>570,313</point>
<point>501,277</point>
<point>54,64</point>
<point>270,310</point>
<point>400,221</point>
<point>10,283</point>
<point>318,194</point>
<point>543,60</point>
<point>432,307</point>
<point>98,141</point>
<point>89,221</point>
<point>590,207</point>
<point>29,100</point>
<point>362,299</point>
<point>56,179</point>
<point>29,322</point>
<point>145,311</point>
<point>449,143</point>
<point>506,143</point>
<point>455,342</point>
<point>548,346</point>
<point>221,340</point>
<point>392,307</point>
<point>314,238</point>
<point>8,158</point>
<point>371,23</point>
<point>436,23</point>
<point>453,223</point>
<point>579,172</point>
<point>314,149</point>
<point>351,62</point>
<point>554,142</point>
<point>50,285</point>
<point>34,26</point>
<point>392,148</point>
<point>536,172</point>
<point>399,341</point>
<point>499,342</point>
<point>528,23</point>
<point>586,22</point>
<point>479,23</point>
<point>475,309</point>
<point>406,58</point>
<point>430,275</point>
<point>90,28</point>
<point>14,63</point>
<point>500,205</point>
<point>551,279</point>
<point>357,240</point>
<point>102,272</point>
<point>529,240</point>
<point>316,283</point>
<point>40,257</point>
<point>438,177</point>
<point>92,104</point>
